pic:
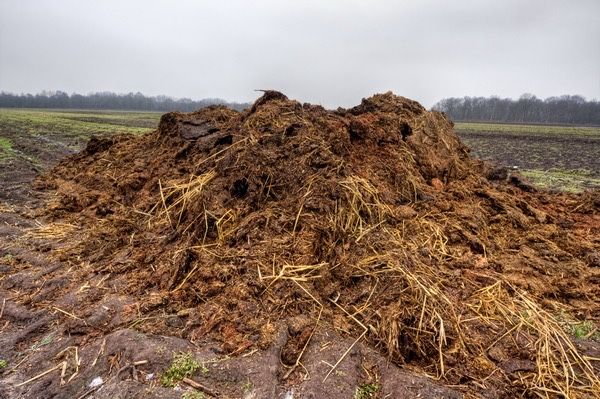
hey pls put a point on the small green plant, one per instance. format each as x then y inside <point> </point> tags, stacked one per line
<point>184,365</point>
<point>584,329</point>
<point>248,386</point>
<point>367,391</point>
<point>193,395</point>
<point>3,364</point>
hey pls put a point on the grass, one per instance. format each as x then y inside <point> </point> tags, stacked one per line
<point>193,395</point>
<point>584,330</point>
<point>367,391</point>
<point>41,135</point>
<point>543,130</point>
<point>76,124</point>
<point>6,149</point>
<point>184,365</point>
<point>563,180</point>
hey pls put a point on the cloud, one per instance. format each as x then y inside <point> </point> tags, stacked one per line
<point>332,52</point>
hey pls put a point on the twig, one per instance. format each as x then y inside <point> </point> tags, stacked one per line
<point>164,203</point>
<point>68,314</point>
<point>41,375</point>
<point>18,364</point>
<point>63,372</point>
<point>305,346</point>
<point>89,392</point>
<point>365,329</point>
<point>100,351</point>
<point>133,369</point>
<point>2,310</point>
<point>200,387</point>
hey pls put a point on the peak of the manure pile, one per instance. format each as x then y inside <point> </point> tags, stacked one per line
<point>269,95</point>
<point>388,102</point>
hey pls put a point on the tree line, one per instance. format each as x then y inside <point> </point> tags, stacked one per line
<point>567,109</point>
<point>110,101</point>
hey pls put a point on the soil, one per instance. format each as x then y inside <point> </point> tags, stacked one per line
<point>537,152</point>
<point>298,252</point>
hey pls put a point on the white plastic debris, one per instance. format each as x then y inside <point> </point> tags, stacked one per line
<point>149,377</point>
<point>96,382</point>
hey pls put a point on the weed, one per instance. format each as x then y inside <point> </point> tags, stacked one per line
<point>184,365</point>
<point>193,395</point>
<point>3,364</point>
<point>247,387</point>
<point>367,391</point>
<point>6,149</point>
<point>584,329</point>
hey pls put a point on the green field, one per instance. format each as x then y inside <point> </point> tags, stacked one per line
<point>565,158</point>
<point>41,136</point>
<point>529,130</point>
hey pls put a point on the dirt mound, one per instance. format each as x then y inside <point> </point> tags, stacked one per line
<point>373,220</point>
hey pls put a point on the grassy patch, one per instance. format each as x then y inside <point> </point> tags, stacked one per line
<point>76,124</point>
<point>539,130</point>
<point>564,180</point>
<point>6,149</point>
<point>367,391</point>
<point>584,329</point>
<point>193,395</point>
<point>184,365</point>
<point>40,137</point>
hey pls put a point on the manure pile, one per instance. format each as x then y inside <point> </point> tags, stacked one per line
<point>373,220</point>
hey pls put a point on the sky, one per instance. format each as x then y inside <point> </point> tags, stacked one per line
<point>330,52</point>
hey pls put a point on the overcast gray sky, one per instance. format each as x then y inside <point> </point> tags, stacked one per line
<point>332,52</point>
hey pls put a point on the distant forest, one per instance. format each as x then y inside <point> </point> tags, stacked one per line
<point>109,100</point>
<point>572,110</point>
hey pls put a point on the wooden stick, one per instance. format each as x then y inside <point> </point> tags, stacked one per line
<point>200,387</point>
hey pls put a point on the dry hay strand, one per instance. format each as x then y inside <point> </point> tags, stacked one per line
<point>176,198</point>
<point>560,368</point>
<point>6,208</point>
<point>295,273</point>
<point>424,233</point>
<point>361,211</point>
<point>422,318</point>
<point>51,231</point>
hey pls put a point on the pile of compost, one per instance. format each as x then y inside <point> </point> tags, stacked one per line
<point>372,220</point>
